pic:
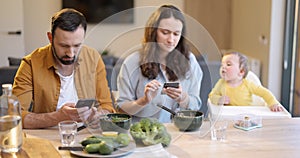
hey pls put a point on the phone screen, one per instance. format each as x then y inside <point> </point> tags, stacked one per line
<point>171,84</point>
<point>86,102</point>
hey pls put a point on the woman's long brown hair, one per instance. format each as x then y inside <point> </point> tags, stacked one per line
<point>177,61</point>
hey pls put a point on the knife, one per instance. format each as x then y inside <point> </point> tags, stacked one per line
<point>73,148</point>
<point>81,128</point>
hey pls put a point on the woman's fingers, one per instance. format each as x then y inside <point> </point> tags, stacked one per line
<point>153,85</point>
<point>174,93</point>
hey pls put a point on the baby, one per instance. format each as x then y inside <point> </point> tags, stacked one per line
<point>234,89</point>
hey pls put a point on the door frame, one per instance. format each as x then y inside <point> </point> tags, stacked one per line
<point>289,54</point>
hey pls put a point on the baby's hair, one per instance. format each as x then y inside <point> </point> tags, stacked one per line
<point>243,61</point>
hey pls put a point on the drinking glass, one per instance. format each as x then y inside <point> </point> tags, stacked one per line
<point>67,132</point>
<point>218,130</point>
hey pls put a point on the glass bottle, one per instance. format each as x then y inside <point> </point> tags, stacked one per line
<point>11,137</point>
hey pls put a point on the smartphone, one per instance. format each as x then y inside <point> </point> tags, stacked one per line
<point>86,102</point>
<point>171,84</point>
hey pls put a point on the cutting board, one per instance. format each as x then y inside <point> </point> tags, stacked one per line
<point>35,148</point>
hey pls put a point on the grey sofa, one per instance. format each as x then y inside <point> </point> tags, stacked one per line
<point>7,74</point>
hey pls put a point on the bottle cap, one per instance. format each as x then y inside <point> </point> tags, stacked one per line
<point>7,86</point>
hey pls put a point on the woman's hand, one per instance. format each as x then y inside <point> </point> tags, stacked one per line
<point>151,90</point>
<point>174,93</point>
<point>182,98</point>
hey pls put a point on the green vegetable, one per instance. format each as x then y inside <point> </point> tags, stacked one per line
<point>90,140</point>
<point>111,141</point>
<point>118,119</point>
<point>92,148</point>
<point>150,132</point>
<point>105,149</point>
<point>105,145</point>
<point>123,139</point>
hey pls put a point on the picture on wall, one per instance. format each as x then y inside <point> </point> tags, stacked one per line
<point>105,11</point>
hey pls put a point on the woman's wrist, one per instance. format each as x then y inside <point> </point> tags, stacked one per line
<point>183,101</point>
<point>142,101</point>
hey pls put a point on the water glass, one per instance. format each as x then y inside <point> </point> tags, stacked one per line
<point>67,132</point>
<point>218,130</point>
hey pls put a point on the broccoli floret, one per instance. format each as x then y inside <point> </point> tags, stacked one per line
<point>145,125</point>
<point>150,132</point>
<point>123,139</point>
<point>137,132</point>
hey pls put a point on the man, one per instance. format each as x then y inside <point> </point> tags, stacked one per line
<point>51,79</point>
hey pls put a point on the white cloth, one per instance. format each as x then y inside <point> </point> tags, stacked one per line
<point>68,93</point>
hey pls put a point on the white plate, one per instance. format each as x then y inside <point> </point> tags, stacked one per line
<point>119,152</point>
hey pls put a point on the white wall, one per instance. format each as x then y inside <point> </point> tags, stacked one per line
<point>11,45</point>
<point>276,47</point>
<point>37,18</point>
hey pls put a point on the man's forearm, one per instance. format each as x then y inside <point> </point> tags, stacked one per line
<point>42,120</point>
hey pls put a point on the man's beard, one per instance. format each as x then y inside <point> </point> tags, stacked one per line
<point>64,62</point>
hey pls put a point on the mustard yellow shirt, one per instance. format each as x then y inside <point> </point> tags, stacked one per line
<point>37,83</point>
<point>242,94</point>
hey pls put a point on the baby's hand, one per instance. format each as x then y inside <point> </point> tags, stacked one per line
<point>224,100</point>
<point>276,108</point>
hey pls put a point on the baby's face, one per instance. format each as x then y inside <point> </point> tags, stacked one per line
<point>230,68</point>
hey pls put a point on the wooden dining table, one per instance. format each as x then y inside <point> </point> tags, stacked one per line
<point>276,138</point>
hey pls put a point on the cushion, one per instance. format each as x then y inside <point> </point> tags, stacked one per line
<point>7,75</point>
<point>14,61</point>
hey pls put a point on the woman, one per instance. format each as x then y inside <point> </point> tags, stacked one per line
<point>164,57</point>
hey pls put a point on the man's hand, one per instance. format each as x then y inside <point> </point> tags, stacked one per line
<point>69,112</point>
<point>93,119</point>
<point>84,113</point>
